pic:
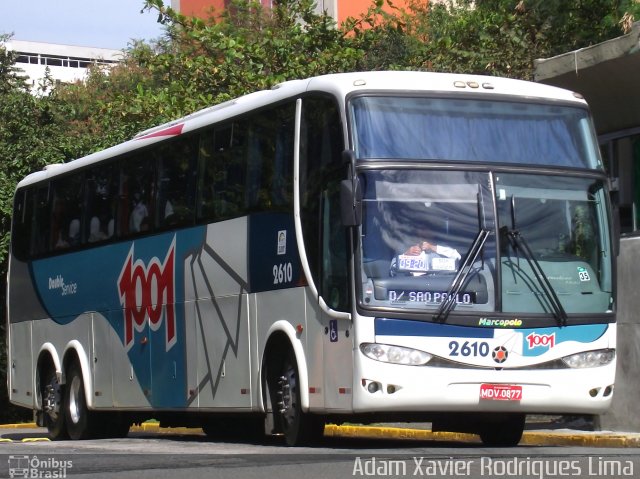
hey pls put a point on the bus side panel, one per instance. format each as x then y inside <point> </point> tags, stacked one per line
<point>24,302</point>
<point>191,335</point>
<point>20,365</point>
<point>78,329</point>
<point>216,277</point>
<point>124,281</point>
<point>23,307</point>
<point>288,308</point>
<point>127,388</point>
<point>102,341</point>
<point>223,352</point>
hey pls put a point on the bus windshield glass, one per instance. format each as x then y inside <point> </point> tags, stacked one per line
<point>422,229</point>
<point>473,130</point>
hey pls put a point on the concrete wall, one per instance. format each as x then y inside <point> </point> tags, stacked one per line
<point>625,412</point>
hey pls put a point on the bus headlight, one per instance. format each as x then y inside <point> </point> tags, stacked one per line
<point>388,353</point>
<point>590,359</point>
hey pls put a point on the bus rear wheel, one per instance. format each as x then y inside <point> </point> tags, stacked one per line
<point>299,428</point>
<point>52,393</point>
<point>81,423</point>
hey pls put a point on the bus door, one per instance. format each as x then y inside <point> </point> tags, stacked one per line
<point>334,289</point>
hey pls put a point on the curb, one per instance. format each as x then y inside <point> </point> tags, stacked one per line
<point>529,438</point>
<point>584,439</point>
<point>383,432</point>
<point>25,425</point>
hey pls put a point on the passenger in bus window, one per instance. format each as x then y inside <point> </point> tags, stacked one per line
<point>139,214</point>
<point>61,243</point>
<point>74,232</point>
<point>95,231</point>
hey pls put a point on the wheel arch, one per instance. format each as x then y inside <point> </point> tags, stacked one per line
<point>282,335</point>
<point>74,351</point>
<point>47,357</point>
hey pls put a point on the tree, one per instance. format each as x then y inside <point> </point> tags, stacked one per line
<point>26,126</point>
<point>504,37</point>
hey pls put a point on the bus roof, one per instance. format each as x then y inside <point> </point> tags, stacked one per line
<point>338,84</point>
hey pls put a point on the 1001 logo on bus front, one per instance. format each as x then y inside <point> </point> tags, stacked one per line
<point>147,292</point>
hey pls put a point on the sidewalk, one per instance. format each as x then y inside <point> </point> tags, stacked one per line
<point>540,431</point>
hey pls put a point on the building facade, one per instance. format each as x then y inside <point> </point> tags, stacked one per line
<point>340,10</point>
<point>65,63</point>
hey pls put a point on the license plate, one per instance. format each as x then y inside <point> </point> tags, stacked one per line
<point>412,263</point>
<point>500,392</point>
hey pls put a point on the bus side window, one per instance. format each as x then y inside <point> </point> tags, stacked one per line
<point>281,181</point>
<point>258,159</point>
<point>135,207</point>
<point>41,227</point>
<point>270,160</point>
<point>321,170</point>
<point>230,149</point>
<point>221,187</point>
<point>102,189</point>
<point>66,212</point>
<point>22,224</point>
<point>205,209</point>
<point>175,183</point>
<point>335,277</point>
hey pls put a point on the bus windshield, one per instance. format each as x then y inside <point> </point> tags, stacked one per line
<point>473,130</point>
<point>547,251</point>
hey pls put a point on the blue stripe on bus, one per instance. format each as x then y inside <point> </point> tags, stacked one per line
<point>403,327</point>
<point>274,262</point>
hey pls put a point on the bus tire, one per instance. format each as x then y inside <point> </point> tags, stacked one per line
<point>81,423</point>
<point>299,428</point>
<point>503,433</point>
<point>52,394</point>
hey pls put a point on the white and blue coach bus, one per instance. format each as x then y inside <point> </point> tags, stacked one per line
<point>362,247</point>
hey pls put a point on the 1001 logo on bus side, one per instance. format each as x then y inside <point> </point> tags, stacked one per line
<point>147,291</point>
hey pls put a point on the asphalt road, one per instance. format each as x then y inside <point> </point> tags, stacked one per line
<point>191,455</point>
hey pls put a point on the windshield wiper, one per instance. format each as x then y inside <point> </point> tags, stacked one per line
<point>452,295</point>
<point>518,243</point>
<point>461,277</point>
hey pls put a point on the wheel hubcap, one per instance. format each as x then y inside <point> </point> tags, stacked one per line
<point>52,399</point>
<point>286,393</point>
<point>74,399</point>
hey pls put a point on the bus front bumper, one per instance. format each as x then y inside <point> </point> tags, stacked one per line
<point>383,387</point>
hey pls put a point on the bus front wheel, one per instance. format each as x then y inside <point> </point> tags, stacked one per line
<point>299,428</point>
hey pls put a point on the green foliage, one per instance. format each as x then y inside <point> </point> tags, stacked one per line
<point>504,37</point>
<point>26,126</point>
<point>198,63</point>
<point>247,48</point>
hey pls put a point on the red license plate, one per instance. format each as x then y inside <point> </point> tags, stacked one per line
<point>500,392</point>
